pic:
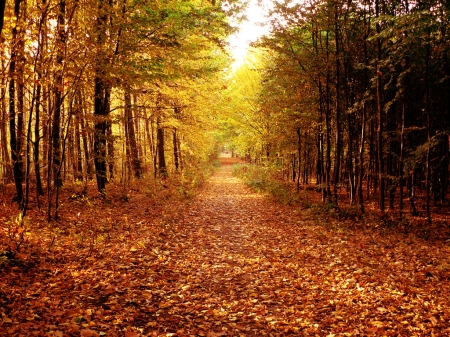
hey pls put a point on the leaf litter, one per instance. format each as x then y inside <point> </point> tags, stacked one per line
<point>229,262</point>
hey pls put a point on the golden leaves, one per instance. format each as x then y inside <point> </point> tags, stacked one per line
<point>229,264</point>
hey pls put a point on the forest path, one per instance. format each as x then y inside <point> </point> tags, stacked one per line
<point>235,253</point>
<point>228,262</point>
<point>247,266</point>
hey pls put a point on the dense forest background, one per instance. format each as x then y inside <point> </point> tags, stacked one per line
<point>351,97</point>
<point>107,90</point>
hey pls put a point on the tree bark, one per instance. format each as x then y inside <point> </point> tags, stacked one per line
<point>7,173</point>
<point>379,113</point>
<point>175,150</point>
<point>328,126</point>
<point>101,103</point>
<point>133,153</point>
<point>59,95</point>
<point>162,169</point>
<point>337,165</point>
<point>79,152</point>
<point>428,124</point>
<point>14,143</point>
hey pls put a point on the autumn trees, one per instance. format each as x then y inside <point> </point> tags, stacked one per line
<point>362,88</point>
<point>97,88</point>
<point>350,95</point>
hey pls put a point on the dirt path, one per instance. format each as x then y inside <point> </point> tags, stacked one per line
<point>234,262</point>
<point>246,266</point>
<point>228,263</point>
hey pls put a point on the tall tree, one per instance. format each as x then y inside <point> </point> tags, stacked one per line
<point>131,135</point>
<point>59,93</point>
<point>15,143</point>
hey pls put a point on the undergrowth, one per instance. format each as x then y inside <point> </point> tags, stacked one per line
<point>264,179</point>
<point>88,218</point>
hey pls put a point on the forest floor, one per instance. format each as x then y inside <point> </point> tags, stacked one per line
<point>228,262</point>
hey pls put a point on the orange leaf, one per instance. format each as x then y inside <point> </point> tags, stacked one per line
<point>89,333</point>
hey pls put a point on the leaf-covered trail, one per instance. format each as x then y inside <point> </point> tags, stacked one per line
<point>230,262</point>
<point>247,266</point>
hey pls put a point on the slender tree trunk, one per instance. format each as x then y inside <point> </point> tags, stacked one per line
<point>162,169</point>
<point>337,165</point>
<point>127,167</point>
<point>361,158</point>
<point>363,121</point>
<point>320,180</point>
<point>84,137</point>
<point>59,95</point>
<point>134,158</point>
<point>412,193</point>
<point>180,157</point>
<point>21,89</point>
<point>37,169</point>
<point>400,164</point>
<point>328,126</point>
<point>380,113</point>
<point>101,124</point>
<point>111,152</point>
<point>320,149</point>
<point>46,108</point>
<point>7,174</point>
<point>175,150</point>
<point>153,148</point>
<point>428,110</point>
<point>149,136</point>
<point>101,103</point>
<point>14,144</point>
<point>373,162</point>
<point>79,152</point>
<point>28,156</point>
<point>137,130</point>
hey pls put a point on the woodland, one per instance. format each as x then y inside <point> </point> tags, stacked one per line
<point>151,185</point>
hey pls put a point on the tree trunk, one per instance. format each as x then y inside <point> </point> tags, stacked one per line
<point>153,146</point>
<point>131,135</point>
<point>428,123</point>
<point>101,103</point>
<point>328,126</point>
<point>101,112</point>
<point>84,137</point>
<point>37,169</point>
<point>162,169</point>
<point>14,144</point>
<point>111,152</point>
<point>21,89</point>
<point>363,121</point>
<point>27,154</point>
<point>79,152</point>
<point>137,131</point>
<point>337,165</point>
<point>180,157</point>
<point>380,113</point>
<point>7,174</point>
<point>175,150</point>
<point>37,124</point>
